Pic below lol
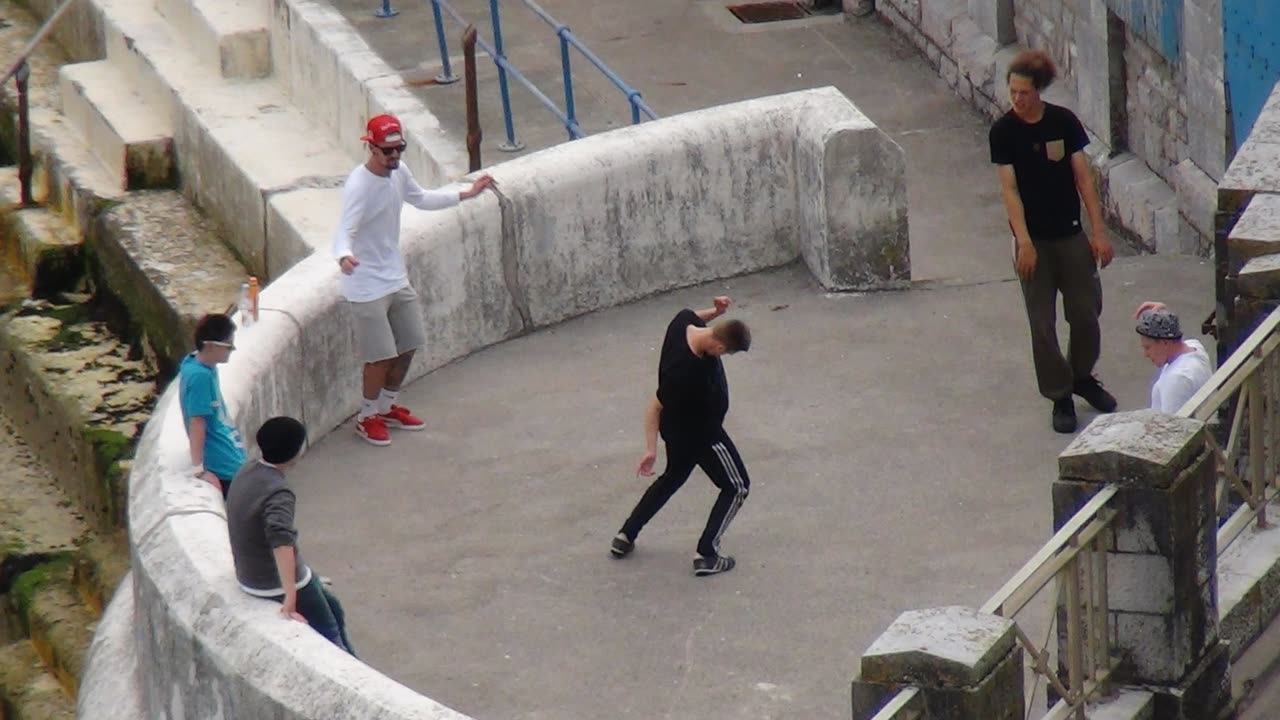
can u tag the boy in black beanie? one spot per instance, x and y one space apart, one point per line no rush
264 541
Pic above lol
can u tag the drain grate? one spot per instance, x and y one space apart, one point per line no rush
765 12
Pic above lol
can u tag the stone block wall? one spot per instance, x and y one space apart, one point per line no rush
1053 26
1155 127
1248 231
1158 124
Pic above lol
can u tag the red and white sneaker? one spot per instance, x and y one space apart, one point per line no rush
399 417
374 430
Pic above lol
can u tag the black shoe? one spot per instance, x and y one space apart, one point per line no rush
1064 415
1092 391
621 546
704 566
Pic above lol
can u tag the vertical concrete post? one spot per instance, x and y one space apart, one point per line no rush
995 19
1100 71
967 665
1162 555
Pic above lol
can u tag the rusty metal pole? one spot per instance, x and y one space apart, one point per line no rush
24 134
473 107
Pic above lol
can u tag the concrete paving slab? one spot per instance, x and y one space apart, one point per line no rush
899 454
683 55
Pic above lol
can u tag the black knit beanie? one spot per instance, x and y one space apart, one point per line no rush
281 439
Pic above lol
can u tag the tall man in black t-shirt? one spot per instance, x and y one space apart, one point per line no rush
1039 148
689 410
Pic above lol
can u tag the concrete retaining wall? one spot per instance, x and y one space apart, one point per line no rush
573 229
330 73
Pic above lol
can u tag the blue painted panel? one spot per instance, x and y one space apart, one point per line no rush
1251 33
1158 22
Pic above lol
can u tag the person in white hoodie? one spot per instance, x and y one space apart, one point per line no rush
1184 364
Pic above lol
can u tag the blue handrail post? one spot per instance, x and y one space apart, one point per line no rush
568 78
634 98
511 145
385 10
447 76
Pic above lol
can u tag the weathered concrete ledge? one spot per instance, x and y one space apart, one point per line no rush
1249 585
573 229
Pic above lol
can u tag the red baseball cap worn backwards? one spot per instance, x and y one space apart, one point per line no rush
383 129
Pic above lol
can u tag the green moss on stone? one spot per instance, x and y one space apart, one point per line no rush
69 336
111 450
28 585
109 446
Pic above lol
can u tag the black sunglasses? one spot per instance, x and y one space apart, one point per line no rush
398 149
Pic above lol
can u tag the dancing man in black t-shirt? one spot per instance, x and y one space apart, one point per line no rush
689 410
1039 148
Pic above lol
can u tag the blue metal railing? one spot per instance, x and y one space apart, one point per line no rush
567 116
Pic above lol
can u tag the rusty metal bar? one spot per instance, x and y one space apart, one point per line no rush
1102 619
25 163
1041 664
474 134
1257 446
1075 639
39 37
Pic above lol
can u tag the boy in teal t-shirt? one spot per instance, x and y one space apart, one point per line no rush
217 452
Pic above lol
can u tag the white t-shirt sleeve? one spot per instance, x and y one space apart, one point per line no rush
425 199
355 199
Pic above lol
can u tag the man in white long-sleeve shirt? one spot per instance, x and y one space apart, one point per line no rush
366 244
1184 364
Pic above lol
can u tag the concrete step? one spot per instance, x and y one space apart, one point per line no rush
126 131
1125 704
79 393
100 565
60 625
38 520
1255 233
38 242
174 266
27 692
239 142
231 36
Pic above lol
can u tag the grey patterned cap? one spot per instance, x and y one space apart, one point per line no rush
1159 324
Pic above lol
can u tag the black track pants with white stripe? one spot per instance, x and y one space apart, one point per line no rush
720 461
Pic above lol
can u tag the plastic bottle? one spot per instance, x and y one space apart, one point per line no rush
253 296
245 306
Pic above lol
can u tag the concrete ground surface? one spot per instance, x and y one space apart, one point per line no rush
899 458
685 55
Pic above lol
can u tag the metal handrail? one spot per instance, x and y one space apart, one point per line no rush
1248 384
20 70
896 708
567 38
36 39
567 116
1075 557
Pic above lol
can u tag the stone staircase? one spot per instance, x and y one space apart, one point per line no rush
55 578
108 271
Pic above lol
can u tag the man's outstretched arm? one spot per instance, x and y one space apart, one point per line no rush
722 303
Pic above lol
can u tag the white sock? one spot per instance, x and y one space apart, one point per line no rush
367 408
386 399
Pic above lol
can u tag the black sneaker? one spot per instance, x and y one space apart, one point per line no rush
1092 391
621 546
704 566
1064 415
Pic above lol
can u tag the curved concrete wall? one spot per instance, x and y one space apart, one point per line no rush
573 229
